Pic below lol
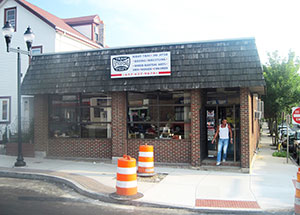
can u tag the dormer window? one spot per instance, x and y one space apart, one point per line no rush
96 33
35 50
10 14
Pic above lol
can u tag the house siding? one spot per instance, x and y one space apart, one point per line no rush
8 61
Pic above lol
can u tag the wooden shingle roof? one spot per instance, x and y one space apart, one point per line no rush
209 64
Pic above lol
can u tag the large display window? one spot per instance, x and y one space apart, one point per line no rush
80 116
159 115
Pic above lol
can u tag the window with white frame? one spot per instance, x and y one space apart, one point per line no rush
10 14
36 50
96 33
4 109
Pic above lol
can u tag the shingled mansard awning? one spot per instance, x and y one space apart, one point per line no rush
194 65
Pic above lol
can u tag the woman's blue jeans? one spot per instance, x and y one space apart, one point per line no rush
223 144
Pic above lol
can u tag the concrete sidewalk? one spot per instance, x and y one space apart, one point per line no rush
269 186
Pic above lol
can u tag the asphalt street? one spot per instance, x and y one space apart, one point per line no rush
22 196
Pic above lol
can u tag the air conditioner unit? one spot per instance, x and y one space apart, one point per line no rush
258 114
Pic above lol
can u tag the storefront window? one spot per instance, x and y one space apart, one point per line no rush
159 115
85 116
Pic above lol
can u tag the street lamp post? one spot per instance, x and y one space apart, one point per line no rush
28 37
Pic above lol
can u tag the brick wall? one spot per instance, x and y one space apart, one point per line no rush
27 149
64 147
255 129
245 126
40 123
195 127
84 148
167 151
119 127
250 131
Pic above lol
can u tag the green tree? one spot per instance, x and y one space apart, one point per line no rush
283 87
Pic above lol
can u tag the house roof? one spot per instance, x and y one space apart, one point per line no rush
194 65
83 20
55 22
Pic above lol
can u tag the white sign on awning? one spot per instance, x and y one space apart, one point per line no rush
141 65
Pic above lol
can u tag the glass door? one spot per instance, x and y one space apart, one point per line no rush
214 116
211 119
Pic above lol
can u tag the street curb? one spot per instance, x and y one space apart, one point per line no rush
55 179
105 197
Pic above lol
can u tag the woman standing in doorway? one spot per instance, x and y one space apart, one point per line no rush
223 131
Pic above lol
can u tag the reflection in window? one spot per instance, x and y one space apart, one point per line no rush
95 130
164 115
35 50
96 33
86 116
4 110
10 16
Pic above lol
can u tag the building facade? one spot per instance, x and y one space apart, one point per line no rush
105 103
52 34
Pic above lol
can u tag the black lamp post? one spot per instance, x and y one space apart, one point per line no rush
28 37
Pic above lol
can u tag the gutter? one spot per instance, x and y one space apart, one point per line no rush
77 37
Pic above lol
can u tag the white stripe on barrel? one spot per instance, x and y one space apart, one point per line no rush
146 164
126 184
146 154
126 171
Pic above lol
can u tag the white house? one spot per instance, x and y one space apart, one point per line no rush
52 34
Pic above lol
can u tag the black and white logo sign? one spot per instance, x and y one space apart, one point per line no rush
121 63
140 65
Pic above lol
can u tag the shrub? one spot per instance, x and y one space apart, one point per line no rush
279 154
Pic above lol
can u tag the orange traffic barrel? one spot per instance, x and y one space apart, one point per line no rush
146 161
126 180
297 196
126 176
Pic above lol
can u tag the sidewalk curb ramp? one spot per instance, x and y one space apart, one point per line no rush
105 197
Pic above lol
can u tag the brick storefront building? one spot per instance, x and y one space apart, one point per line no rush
83 109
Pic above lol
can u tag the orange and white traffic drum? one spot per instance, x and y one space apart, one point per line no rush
146 161
126 176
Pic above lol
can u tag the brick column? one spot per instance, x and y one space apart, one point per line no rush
41 125
119 127
195 127
245 127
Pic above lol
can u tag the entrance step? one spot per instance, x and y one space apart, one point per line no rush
210 164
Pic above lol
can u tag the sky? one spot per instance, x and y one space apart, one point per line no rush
274 23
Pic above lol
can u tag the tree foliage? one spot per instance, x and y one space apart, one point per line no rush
283 85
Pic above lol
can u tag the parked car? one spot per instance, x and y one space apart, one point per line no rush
297 139
292 146
296 152
284 132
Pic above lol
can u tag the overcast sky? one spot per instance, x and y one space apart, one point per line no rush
274 23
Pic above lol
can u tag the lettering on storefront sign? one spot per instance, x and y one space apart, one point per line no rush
141 65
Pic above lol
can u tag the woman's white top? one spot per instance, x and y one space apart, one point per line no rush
224 132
